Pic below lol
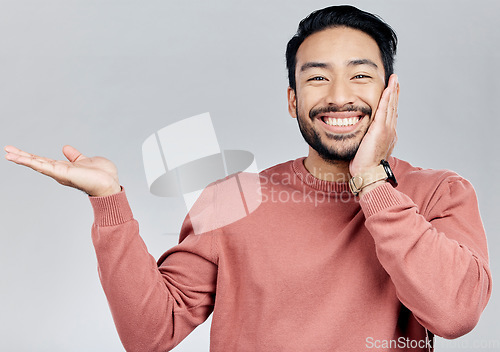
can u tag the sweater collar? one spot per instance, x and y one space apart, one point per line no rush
321 185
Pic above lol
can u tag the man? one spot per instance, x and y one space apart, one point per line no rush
350 248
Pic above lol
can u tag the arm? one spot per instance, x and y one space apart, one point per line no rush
437 262
153 308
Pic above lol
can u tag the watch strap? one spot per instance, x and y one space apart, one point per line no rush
358 182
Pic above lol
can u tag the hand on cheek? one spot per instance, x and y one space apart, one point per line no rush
381 136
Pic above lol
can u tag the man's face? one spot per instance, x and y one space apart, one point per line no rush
339 81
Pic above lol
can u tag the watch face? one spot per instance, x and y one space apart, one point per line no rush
389 172
390 175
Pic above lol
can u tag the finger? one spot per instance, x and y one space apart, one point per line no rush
54 169
385 102
397 105
391 110
381 112
37 164
15 151
72 154
394 104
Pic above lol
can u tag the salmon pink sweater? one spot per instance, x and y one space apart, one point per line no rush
311 268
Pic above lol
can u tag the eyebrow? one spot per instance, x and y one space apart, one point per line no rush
355 62
313 64
358 62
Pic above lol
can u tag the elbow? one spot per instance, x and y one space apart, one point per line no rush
135 348
147 337
140 345
454 330
456 323
461 316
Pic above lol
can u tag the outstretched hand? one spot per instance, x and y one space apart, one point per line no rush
96 176
381 137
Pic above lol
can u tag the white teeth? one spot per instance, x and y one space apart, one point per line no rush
341 122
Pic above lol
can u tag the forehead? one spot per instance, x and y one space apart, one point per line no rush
337 46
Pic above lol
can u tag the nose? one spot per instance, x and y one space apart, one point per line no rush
339 93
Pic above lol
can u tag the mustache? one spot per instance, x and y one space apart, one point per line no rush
366 110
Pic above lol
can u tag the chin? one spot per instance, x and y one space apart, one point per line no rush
330 154
331 147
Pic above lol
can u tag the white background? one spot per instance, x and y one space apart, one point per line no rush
104 75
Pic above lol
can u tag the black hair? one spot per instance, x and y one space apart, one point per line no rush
344 16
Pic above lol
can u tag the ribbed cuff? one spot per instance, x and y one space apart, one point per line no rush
379 198
111 210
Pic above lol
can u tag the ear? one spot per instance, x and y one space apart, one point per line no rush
292 102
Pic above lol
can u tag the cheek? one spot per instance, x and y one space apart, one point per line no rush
310 97
371 97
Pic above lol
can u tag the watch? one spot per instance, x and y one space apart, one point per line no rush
380 173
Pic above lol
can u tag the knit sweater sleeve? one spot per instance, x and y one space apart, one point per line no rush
154 306
437 258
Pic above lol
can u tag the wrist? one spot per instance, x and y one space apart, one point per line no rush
363 170
109 192
371 178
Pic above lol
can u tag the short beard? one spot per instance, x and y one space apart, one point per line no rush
329 154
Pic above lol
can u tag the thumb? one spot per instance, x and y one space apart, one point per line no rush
72 154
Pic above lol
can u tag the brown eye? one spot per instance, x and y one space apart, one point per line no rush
317 78
361 76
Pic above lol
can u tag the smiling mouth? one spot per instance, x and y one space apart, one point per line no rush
342 122
341 118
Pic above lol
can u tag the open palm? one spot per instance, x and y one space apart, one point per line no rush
96 176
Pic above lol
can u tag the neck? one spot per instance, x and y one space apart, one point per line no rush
333 171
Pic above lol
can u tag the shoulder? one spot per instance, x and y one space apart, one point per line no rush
426 187
411 176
